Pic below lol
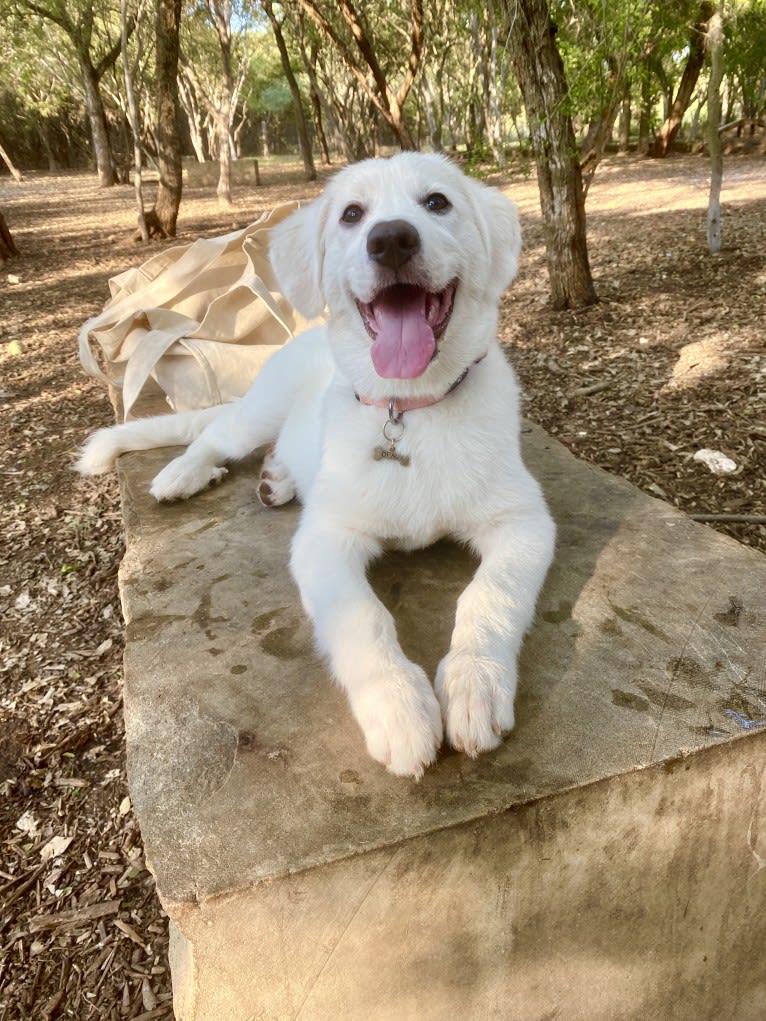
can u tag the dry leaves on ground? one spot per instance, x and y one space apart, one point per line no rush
672 360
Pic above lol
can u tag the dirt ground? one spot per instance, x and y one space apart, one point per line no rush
671 361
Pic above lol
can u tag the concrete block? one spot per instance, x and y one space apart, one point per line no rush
608 862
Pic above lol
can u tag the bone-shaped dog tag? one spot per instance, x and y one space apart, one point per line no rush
390 454
392 432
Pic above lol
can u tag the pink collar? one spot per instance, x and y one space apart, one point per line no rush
398 405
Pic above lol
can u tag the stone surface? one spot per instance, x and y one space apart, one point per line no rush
606 862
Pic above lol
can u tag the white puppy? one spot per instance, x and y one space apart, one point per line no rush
397 423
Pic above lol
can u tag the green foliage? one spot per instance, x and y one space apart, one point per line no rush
745 53
36 66
268 91
627 42
464 97
39 85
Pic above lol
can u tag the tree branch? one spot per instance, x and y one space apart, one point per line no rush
416 52
110 58
380 102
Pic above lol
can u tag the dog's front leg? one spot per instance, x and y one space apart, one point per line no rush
476 680
391 698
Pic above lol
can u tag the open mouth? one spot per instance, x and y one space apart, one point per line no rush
406 323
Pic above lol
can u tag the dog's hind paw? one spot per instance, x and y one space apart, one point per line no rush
183 478
275 486
476 696
401 721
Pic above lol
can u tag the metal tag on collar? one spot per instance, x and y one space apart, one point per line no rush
392 433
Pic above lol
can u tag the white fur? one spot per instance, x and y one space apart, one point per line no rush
465 478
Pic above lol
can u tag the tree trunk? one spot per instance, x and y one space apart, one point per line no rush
540 73
133 117
715 47
77 23
14 172
316 109
99 129
624 123
433 119
223 191
492 88
600 131
295 92
644 117
320 107
170 189
8 247
188 100
221 13
661 145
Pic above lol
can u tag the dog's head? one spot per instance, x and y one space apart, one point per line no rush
410 258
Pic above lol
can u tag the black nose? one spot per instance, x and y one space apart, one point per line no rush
392 243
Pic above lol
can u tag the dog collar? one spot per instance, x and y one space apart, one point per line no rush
394 427
397 406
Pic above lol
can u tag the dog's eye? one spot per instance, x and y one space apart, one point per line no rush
352 213
437 203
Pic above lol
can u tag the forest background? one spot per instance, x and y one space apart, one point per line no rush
143 83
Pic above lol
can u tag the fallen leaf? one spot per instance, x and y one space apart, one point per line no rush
27 824
55 847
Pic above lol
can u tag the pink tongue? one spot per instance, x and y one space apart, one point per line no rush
405 343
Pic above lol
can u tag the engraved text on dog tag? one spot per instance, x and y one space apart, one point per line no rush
390 454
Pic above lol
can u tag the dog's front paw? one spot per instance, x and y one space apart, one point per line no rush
401 721
184 477
476 696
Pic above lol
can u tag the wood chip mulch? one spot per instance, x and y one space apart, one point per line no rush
669 363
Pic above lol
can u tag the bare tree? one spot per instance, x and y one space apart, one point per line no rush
715 48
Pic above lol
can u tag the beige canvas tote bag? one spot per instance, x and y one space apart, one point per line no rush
200 319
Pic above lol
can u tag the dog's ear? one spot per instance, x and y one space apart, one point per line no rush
296 251
502 234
